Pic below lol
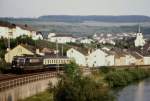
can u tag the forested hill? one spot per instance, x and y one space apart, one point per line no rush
67 18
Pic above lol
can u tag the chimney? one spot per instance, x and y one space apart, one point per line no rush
89 51
8 49
37 51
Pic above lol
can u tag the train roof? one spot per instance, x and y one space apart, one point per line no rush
56 57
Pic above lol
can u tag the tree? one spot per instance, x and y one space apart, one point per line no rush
72 70
74 87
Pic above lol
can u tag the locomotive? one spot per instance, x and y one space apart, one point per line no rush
38 62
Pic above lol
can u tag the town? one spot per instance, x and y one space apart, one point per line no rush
38 66
95 51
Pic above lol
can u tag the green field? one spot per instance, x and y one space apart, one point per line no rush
43 96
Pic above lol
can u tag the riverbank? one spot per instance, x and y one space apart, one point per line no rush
121 78
110 78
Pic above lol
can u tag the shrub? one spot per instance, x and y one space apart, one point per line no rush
81 89
124 77
74 87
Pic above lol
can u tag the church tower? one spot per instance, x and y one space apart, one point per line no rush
139 41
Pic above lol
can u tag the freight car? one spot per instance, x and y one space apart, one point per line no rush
34 63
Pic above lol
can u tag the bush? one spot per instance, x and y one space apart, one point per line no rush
81 89
74 87
124 77
106 69
3 67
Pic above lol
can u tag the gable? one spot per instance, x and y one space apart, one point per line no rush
98 52
19 49
74 51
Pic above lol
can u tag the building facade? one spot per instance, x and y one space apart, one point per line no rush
17 51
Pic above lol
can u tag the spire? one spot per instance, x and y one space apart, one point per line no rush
139 29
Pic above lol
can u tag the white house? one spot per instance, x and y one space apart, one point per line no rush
100 58
13 31
52 37
96 58
86 41
77 56
130 59
110 60
146 60
37 37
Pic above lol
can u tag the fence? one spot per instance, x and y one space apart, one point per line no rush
24 80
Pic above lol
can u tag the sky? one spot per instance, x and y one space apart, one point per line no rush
35 8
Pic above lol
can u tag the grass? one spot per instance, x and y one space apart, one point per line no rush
43 96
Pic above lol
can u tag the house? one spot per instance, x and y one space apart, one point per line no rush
100 58
138 58
92 58
110 59
106 48
96 58
18 51
77 56
86 41
119 58
12 31
37 36
146 60
130 58
47 51
21 50
61 38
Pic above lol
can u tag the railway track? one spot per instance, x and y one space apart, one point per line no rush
20 74
18 80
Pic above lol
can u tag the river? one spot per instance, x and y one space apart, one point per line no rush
135 92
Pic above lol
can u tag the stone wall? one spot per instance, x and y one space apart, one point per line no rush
21 92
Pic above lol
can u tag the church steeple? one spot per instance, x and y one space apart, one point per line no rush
139 29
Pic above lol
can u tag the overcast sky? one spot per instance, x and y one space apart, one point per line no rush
35 8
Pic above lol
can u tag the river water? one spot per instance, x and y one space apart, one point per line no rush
135 92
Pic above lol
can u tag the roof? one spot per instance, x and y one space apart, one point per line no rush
25 27
30 48
55 56
7 24
136 55
118 53
81 50
47 50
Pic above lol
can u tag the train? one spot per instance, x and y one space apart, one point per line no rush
38 62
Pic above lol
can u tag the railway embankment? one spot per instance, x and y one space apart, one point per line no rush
21 87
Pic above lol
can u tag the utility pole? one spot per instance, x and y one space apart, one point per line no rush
57 55
8 47
62 50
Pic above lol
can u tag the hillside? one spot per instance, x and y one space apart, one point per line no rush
66 18
85 25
